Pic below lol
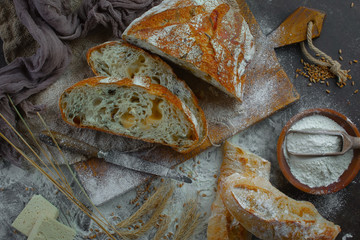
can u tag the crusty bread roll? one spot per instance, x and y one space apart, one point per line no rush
241 161
269 214
134 108
122 60
209 38
222 225
262 209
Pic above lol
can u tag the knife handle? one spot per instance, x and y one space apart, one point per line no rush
68 143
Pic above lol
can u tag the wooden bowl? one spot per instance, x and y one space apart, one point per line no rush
346 177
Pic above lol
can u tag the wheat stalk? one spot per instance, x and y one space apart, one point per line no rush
58 172
158 203
155 203
162 228
189 221
150 204
63 186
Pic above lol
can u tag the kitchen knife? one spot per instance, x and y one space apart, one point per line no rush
113 156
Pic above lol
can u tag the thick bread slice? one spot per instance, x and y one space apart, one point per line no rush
122 60
209 38
133 108
262 209
222 225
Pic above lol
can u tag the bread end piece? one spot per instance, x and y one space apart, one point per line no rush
222 225
209 38
269 214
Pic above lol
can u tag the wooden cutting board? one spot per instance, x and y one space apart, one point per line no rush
267 90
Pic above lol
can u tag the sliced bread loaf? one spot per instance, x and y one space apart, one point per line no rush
122 60
209 38
133 108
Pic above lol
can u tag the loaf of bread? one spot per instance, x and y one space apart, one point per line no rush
241 161
209 38
134 108
222 225
269 214
122 60
262 209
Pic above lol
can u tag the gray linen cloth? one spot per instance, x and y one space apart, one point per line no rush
51 23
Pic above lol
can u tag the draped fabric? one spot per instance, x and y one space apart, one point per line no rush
51 23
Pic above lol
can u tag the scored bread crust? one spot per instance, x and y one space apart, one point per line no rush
261 208
209 38
269 214
122 60
238 160
142 87
222 225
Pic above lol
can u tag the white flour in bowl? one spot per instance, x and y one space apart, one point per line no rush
317 171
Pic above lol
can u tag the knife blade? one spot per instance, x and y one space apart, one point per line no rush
113 156
137 164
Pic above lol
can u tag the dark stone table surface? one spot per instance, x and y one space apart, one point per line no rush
340 31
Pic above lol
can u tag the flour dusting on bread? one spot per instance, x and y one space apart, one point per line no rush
262 209
209 38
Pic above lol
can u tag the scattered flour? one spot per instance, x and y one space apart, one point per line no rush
330 205
317 171
347 236
259 139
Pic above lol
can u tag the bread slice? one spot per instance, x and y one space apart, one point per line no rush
122 60
134 108
222 225
209 38
261 208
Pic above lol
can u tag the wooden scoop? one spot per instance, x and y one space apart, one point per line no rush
346 143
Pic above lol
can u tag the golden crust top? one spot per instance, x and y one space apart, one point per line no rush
212 36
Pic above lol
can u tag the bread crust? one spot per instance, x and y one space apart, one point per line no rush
262 209
209 38
222 225
197 112
144 83
287 218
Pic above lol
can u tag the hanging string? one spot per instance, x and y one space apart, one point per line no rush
334 66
